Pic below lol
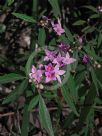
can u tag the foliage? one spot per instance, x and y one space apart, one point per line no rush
80 96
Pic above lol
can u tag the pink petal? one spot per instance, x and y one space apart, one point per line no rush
33 69
47 80
71 60
61 72
55 61
56 68
59 79
67 55
59 22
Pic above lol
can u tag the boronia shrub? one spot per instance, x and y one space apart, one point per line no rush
59 75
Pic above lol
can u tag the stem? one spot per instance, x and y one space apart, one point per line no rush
35 9
34 26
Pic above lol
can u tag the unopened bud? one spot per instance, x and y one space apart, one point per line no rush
99 66
41 86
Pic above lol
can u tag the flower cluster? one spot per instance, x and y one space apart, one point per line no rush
54 61
56 27
53 67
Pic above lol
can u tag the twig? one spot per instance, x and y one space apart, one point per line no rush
35 110
49 109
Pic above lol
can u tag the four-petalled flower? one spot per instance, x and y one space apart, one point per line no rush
49 55
58 73
35 74
49 73
68 60
57 27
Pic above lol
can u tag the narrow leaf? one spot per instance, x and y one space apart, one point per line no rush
24 17
94 79
10 77
16 93
68 99
45 117
72 87
25 123
10 2
99 39
79 22
41 37
69 34
55 7
33 102
94 16
91 8
87 105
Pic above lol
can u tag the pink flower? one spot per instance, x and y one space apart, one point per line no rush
58 28
58 60
68 60
85 59
80 39
58 73
64 47
49 55
38 76
49 67
50 76
35 74
49 73
53 73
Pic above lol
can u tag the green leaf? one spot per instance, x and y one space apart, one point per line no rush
16 93
24 17
69 120
72 87
79 22
41 37
74 135
33 102
45 117
88 29
80 77
99 40
55 7
91 8
69 34
91 52
88 105
29 62
11 97
2 28
99 73
10 2
94 16
49 95
25 123
52 42
75 64
65 39
10 77
68 99
94 79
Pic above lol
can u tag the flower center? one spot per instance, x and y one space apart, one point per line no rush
49 68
